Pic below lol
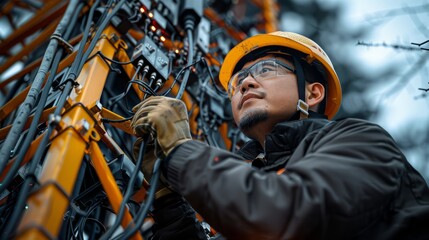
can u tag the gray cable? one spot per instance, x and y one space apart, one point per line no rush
25 109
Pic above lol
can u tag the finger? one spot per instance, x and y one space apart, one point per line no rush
142 112
146 102
137 107
144 129
177 112
140 121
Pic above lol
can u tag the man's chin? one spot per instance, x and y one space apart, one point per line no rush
251 119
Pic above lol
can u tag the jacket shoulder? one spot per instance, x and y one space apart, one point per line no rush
357 126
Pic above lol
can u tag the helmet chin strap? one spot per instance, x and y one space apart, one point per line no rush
302 106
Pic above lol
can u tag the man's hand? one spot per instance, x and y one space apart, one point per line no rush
165 119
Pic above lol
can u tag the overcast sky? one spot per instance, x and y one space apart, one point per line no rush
396 22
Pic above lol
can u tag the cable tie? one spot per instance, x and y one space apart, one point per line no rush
67 46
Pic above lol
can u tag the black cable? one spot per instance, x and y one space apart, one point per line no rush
80 51
141 84
65 93
143 211
145 71
135 15
112 60
176 79
81 223
220 91
148 90
98 222
28 104
16 215
106 7
70 228
116 134
139 66
146 86
34 163
36 159
97 36
106 120
207 130
40 106
128 193
189 26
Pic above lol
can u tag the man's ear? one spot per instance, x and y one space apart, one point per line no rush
314 94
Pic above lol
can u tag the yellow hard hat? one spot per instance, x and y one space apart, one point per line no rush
311 50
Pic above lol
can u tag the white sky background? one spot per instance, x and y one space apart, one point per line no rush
405 106
402 106
404 109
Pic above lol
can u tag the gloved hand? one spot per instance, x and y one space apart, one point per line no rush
165 119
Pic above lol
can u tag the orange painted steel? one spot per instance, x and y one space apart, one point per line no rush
47 205
44 117
14 103
42 37
213 16
93 76
50 11
124 126
81 130
30 67
109 184
28 155
270 11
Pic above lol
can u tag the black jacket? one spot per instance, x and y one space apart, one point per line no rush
343 180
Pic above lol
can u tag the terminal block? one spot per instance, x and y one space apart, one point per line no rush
152 55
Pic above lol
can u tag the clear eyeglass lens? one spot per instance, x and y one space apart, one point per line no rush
260 70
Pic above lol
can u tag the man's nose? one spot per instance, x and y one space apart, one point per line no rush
248 82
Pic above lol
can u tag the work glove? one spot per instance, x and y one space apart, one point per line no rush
164 123
165 120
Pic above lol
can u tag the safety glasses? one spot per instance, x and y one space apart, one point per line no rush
259 71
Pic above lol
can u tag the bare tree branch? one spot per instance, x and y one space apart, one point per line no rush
395 46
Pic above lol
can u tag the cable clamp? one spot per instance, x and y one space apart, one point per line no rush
67 46
54 119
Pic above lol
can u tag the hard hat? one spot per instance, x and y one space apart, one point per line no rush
296 42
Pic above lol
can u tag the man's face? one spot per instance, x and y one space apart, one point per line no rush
263 102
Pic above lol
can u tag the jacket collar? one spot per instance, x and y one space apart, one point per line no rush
283 139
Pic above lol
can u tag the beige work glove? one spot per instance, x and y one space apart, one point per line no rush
164 119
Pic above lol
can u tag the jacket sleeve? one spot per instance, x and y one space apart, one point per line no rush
338 182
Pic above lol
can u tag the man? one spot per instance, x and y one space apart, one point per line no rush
311 178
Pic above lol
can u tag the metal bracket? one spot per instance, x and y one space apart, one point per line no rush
302 107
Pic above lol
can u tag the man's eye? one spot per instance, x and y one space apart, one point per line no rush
265 70
240 78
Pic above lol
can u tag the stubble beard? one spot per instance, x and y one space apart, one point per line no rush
252 119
